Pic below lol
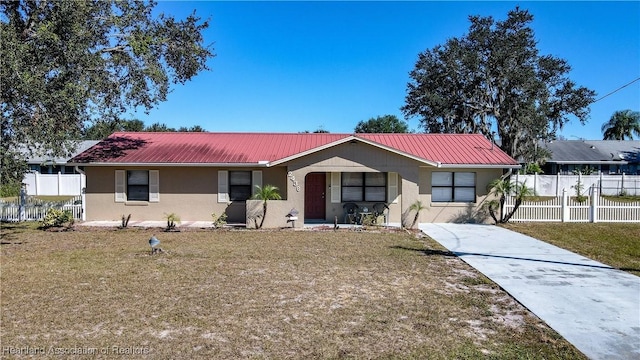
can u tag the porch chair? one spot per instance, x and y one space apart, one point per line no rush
379 210
350 213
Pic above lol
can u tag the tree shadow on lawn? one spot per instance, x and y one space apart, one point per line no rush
9 231
428 252
432 252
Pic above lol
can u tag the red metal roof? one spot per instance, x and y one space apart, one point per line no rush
462 149
265 148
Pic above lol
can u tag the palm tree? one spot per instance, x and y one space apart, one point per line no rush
503 188
266 192
417 207
623 124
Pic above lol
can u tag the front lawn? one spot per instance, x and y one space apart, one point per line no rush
257 294
614 244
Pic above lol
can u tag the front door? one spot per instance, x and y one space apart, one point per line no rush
314 196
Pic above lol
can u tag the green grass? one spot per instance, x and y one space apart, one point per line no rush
623 198
259 294
614 244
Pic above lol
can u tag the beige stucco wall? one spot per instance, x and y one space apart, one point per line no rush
455 212
189 192
357 157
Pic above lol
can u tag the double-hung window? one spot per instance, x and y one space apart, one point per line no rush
138 185
367 186
239 185
453 186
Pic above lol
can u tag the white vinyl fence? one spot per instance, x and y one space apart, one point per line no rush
35 209
568 208
552 185
54 184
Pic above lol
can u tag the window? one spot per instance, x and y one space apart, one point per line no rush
138 185
364 187
453 187
239 185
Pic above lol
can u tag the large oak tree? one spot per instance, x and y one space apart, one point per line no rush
64 64
495 79
382 124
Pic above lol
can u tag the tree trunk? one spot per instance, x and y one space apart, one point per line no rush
264 214
510 214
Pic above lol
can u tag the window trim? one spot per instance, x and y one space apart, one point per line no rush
141 186
453 187
122 187
236 186
364 186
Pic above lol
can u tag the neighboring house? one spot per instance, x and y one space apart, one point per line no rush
193 175
46 164
605 156
50 175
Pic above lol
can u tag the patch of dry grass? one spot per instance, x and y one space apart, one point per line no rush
258 294
614 244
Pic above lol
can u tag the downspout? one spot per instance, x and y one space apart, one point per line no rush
507 174
82 192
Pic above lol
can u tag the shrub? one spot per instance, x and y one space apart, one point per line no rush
219 221
10 190
125 221
172 220
57 218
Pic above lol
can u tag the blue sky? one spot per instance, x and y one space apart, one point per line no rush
296 66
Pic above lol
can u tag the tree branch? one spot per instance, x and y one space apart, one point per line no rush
118 48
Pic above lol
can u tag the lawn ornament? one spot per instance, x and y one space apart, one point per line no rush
153 242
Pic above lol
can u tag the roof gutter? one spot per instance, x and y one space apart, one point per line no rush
572 162
478 166
103 164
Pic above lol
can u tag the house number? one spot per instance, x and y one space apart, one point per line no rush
293 181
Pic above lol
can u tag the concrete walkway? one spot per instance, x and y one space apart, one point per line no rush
594 307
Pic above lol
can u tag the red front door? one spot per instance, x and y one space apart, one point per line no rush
314 196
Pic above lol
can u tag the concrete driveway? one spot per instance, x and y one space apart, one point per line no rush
593 306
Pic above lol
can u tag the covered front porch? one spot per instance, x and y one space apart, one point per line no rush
350 198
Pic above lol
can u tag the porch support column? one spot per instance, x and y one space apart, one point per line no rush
410 194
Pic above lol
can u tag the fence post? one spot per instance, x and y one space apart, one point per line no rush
558 184
622 185
22 204
83 196
565 207
594 204
600 183
37 184
59 182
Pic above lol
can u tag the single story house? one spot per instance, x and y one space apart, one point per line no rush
194 175
602 156
48 164
51 175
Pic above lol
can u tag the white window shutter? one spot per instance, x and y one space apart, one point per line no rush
256 180
223 186
121 186
154 186
335 187
393 188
